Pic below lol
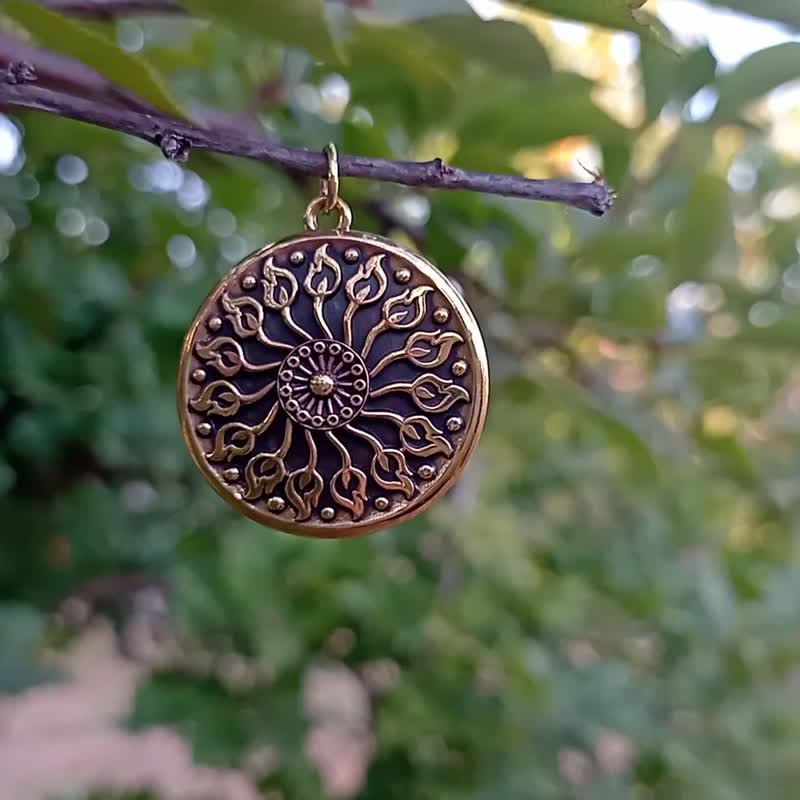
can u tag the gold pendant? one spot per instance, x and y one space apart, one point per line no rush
332 383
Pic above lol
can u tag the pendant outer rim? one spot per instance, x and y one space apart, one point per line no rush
471 435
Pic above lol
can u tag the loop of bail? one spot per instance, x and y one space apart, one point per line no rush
319 206
329 186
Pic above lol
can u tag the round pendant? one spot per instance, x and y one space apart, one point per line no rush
332 384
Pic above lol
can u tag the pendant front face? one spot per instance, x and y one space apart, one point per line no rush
332 384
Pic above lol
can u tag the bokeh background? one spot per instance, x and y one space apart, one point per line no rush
606 606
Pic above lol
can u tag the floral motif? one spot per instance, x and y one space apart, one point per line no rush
323 384
430 392
227 357
280 286
355 341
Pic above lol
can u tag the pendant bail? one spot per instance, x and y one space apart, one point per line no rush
329 200
329 186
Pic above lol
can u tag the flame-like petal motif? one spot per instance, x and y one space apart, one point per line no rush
233 439
420 437
263 473
407 309
280 286
368 283
433 394
223 353
303 488
431 348
324 274
390 470
227 357
218 397
349 489
245 313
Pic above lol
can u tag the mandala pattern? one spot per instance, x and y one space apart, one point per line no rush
332 384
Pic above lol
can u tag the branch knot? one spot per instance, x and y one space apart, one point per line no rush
175 147
20 72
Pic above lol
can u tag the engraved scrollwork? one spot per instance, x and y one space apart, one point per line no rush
280 286
401 312
225 399
349 484
367 286
304 486
423 349
227 357
322 281
266 470
430 392
331 384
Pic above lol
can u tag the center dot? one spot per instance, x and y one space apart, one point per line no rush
322 385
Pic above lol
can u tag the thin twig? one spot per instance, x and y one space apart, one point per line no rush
108 9
177 138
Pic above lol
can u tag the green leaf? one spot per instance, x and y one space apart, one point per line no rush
608 420
787 11
299 23
505 117
622 14
389 11
504 45
668 77
614 250
637 302
65 35
703 223
754 77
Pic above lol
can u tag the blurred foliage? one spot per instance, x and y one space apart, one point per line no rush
605 606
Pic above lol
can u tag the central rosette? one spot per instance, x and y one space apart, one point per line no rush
323 384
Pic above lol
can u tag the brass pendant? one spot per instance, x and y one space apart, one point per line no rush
333 383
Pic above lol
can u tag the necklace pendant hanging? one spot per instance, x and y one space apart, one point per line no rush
332 383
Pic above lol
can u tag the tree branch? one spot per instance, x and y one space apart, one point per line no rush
177 138
108 9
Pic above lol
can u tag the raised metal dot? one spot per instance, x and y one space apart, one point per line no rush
360 385
347 413
303 415
459 368
402 275
238 496
204 429
292 406
286 375
248 282
441 315
215 323
286 391
276 504
335 348
327 513
297 257
317 421
292 361
231 474
347 357
319 347
426 472
198 375
351 255
455 424
357 369
332 419
356 400
305 351
381 503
